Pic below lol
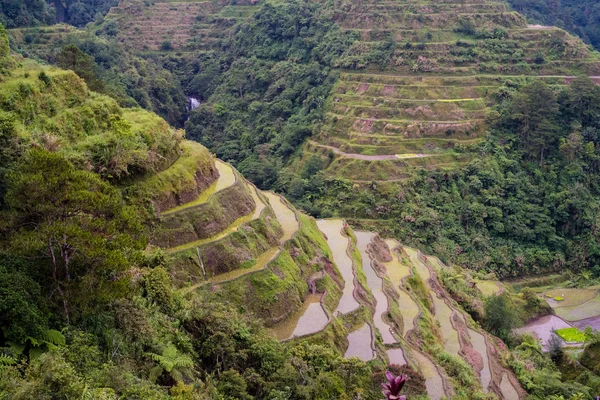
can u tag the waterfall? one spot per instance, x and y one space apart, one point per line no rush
193 103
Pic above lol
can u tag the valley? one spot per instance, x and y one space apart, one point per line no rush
360 187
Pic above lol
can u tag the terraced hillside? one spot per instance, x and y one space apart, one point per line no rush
316 280
181 25
425 104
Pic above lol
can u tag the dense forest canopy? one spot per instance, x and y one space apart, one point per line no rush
526 204
580 17
19 13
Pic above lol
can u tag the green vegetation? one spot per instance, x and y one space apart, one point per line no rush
16 13
571 334
106 66
520 206
578 17
87 308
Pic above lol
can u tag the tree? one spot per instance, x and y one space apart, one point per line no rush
75 226
500 316
71 57
535 109
555 348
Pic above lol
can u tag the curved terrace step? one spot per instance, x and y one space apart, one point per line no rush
375 284
227 178
259 207
311 318
290 225
340 246
360 343
369 157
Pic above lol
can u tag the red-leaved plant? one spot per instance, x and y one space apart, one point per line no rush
392 388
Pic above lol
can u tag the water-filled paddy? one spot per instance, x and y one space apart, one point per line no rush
285 215
409 309
374 283
309 319
395 270
571 297
443 313
360 344
593 322
396 356
338 243
508 390
589 309
478 343
543 327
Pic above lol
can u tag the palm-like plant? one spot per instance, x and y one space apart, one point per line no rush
391 388
171 361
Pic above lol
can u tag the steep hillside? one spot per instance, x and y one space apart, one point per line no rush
179 25
112 222
424 104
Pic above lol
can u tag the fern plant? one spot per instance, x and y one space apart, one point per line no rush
172 362
6 361
35 347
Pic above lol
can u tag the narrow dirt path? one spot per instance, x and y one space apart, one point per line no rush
369 158
284 215
259 207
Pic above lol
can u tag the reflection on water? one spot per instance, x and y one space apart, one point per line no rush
309 319
396 356
285 215
478 342
543 327
443 313
395 270
338 243
359 344
376 285
508 390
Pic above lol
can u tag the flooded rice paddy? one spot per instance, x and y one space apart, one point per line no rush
443 313
543 327
375 284
339 244
360 344
309 319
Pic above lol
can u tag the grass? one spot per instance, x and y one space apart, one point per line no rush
571 335
570 297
